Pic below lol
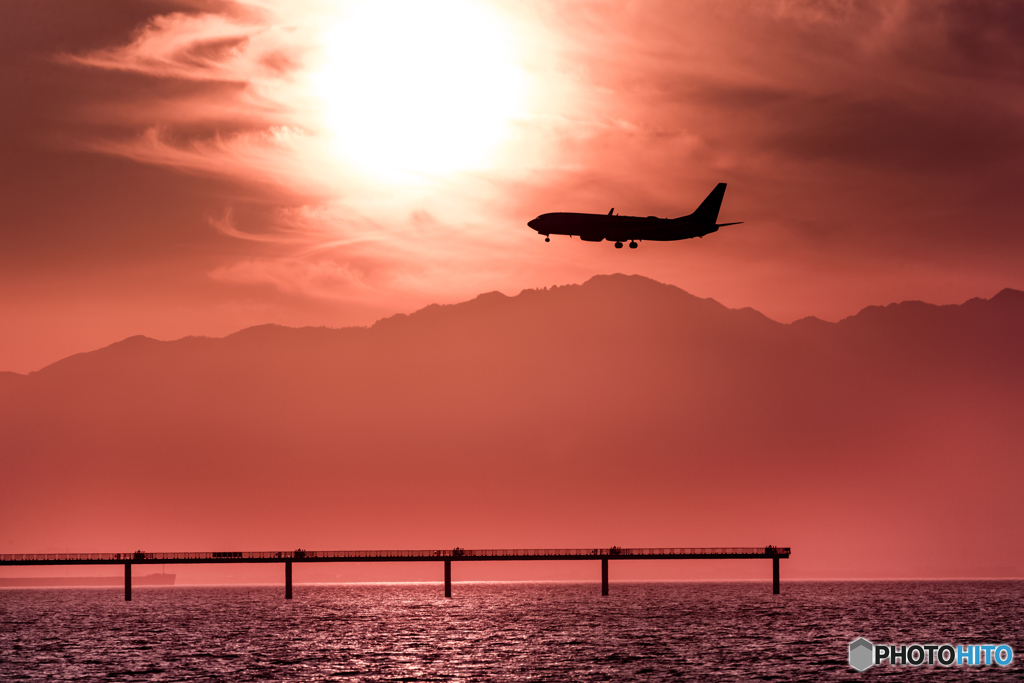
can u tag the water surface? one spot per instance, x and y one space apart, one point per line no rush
499 631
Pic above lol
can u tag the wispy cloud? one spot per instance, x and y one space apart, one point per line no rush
839 120
318 279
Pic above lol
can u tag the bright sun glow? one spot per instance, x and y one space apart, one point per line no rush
418 87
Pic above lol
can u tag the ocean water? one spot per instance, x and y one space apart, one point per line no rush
500 631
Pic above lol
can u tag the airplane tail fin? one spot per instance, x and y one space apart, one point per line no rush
707 212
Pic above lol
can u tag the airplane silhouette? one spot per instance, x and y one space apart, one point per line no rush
594 227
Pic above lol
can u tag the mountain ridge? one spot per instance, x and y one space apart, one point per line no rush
1007 299
617 412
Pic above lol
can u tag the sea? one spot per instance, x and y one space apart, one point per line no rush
502 631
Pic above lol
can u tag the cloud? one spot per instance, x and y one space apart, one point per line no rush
861 133
181 45
243 116
317 279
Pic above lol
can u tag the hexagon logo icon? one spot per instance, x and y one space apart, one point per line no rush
862 654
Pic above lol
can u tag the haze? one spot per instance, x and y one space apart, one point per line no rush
193 168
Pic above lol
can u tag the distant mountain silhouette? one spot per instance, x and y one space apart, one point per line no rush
620 410
9 378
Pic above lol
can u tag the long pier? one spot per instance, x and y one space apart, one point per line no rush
447 556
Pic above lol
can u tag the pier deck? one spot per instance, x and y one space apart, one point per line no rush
288 557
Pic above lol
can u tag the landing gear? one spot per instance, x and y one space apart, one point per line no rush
618 245
632 245
547 239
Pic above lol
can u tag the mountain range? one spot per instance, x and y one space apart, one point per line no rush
621 411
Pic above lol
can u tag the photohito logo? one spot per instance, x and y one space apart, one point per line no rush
865 654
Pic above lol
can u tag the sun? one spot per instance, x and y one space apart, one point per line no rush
416 87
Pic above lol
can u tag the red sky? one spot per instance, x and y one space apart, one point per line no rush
193 167
173 168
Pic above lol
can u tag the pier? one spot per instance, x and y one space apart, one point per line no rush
287 558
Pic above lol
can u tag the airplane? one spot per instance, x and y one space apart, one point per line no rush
594 227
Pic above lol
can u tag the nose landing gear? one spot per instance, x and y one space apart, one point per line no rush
618 245
547 239
632 245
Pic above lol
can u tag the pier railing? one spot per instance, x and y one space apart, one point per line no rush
453 553
447 556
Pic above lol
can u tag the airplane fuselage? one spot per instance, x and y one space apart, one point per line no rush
593 227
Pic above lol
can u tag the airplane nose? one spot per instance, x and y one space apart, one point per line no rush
533 224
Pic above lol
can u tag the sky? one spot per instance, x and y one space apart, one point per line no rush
196 167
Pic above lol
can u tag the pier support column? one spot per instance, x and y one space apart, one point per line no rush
604 576
447 578
127 580
288 580
775 576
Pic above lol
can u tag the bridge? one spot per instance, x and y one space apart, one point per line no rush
447 556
